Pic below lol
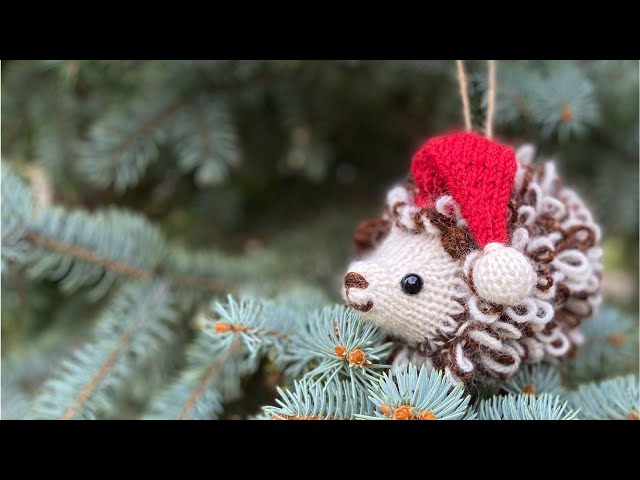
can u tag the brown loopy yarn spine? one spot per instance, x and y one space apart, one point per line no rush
369 233
456 241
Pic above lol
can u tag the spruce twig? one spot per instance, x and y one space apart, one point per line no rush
122 268
206 376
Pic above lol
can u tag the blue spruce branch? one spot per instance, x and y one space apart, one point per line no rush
525 407
614 399
411 394
310 400
132 329
535 379
78 248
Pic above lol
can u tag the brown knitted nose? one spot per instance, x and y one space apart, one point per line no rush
353 279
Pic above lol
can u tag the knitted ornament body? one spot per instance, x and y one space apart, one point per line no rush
482 262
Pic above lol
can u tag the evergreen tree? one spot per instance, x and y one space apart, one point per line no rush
174 234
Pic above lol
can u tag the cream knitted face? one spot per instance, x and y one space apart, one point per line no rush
375 287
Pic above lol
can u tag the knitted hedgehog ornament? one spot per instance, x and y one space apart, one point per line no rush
482 262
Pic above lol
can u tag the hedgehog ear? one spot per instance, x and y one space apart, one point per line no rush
369 234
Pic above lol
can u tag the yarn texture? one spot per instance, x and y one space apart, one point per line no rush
408 316
476 172
508 256
503 275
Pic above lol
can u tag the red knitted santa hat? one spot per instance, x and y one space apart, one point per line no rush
478 173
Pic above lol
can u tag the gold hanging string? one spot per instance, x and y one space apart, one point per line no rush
491 98
464 94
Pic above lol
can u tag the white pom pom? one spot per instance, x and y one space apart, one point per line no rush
502 275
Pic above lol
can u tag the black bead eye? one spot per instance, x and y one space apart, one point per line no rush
411 284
